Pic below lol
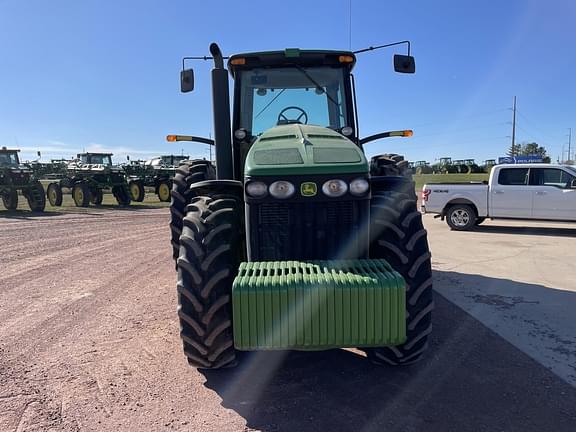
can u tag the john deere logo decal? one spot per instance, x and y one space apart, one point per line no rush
308 189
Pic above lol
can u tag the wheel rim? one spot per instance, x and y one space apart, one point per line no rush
52 196
134 191
460 217
78 195
164 192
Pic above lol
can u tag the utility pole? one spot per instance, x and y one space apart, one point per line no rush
514 128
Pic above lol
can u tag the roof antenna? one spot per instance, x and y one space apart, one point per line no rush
350 25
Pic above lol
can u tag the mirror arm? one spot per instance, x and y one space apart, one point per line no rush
384 46
177 138
406 133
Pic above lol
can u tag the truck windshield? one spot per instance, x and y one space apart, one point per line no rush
8 159
306 95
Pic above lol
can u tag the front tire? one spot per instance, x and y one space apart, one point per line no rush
10 199
54 194
122 195
137 192
164 191
210 254
36 197
186 174
96 197
461 217
81 195
398 236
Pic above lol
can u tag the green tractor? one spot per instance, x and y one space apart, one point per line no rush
445 166
14 177
87 177
488 164
295 244
157 173
421 167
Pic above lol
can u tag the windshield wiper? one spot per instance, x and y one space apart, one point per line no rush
318 86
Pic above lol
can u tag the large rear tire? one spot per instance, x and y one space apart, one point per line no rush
36 197
10 199
186 174
390 164
210 254
398 236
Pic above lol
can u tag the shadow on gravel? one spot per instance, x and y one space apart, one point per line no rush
542 231
27 214
471 380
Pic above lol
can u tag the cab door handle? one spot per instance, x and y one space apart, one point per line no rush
541 192
499 191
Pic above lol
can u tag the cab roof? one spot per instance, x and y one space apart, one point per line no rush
7 150
94 154
291 56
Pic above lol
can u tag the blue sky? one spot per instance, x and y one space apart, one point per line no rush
105 75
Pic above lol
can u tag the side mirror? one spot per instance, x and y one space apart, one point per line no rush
187 80
128 157
404 64
39 154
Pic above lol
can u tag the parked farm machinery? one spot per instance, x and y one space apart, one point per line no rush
87 177
15 177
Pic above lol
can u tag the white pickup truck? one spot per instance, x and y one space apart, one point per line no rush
522 191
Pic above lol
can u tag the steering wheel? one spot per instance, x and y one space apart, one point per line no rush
282 119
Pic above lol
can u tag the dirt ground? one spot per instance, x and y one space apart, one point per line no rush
89 342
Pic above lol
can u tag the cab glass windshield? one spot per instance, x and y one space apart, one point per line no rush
8 159
96 159
305 95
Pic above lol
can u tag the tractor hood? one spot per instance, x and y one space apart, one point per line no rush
302 149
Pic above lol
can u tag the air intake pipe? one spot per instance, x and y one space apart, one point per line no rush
221 108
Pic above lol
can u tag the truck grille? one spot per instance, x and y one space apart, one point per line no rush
306 231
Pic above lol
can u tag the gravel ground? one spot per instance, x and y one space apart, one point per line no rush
89 341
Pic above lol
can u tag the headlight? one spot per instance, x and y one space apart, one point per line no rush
359 186
256 189
334 188
282 189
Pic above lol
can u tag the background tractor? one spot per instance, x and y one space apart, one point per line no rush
15 177
157 173
421 167
445 166
296 244
87 177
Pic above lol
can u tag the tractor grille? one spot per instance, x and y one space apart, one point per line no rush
307 231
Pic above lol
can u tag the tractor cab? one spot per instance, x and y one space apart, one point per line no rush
9 158
104 159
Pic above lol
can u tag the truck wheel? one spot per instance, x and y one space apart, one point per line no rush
10 199
163 191
54 194
461 217
36 197
186 174
81 195
96 196
122 195
137 192
210 253
398 236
